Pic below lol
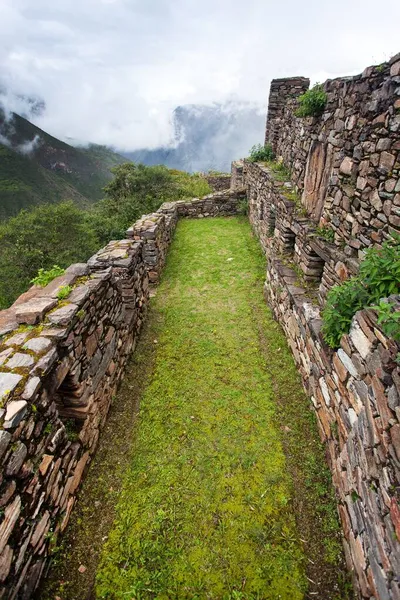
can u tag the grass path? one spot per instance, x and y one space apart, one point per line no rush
207 507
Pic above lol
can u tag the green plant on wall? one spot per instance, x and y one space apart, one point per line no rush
388 319
64 292
243 206
45 276
326 233
312 102
260 153
379 277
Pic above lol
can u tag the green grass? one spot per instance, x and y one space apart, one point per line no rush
206 509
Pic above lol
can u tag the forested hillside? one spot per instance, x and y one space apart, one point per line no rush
62 233
37 168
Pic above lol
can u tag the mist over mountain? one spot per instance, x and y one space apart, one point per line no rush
207 137
37 168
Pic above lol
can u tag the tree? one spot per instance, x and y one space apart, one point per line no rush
136 190
39 238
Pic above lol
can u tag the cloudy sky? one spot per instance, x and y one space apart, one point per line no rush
112 71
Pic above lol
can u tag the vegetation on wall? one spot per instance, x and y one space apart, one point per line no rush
137 190
325 232
312 102
36 240
45 276
260 153
378 278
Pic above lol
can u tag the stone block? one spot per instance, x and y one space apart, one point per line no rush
64 315
11 515
37 345
33 311
8 383
20 360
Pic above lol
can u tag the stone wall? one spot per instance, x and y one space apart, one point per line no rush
345 163
355 391
237 181
60 365
218 183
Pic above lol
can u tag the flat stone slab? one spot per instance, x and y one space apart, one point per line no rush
46 362
62 316
5 354
31 388
53 288
33 311
5 439
37 345
54 332
15 413
17 339
8 382
20 360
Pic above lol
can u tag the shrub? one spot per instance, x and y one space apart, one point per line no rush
379 277
326 233
45 276
281 172
261 153
136 190
388 319
64 292
312 102
380 270
243 206
342 303
45 236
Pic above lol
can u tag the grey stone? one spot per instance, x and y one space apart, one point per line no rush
33 311
325 391
5 562
346 360
15 412
20 360
11 515
78 269
376 200
17 339
8 382
360 340
79 294
393 397
380 580
53 332
63 316
5 354
16 460
31 388
46 362
37 345
346 166
5 438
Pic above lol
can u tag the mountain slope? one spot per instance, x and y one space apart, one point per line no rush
207 137
36 167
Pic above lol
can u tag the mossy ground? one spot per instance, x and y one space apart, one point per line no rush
208 507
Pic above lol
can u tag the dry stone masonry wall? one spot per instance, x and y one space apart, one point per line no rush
346 162
218 183
60 365
345 175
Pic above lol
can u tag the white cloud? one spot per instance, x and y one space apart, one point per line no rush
112 71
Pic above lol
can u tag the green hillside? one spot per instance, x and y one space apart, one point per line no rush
53 171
